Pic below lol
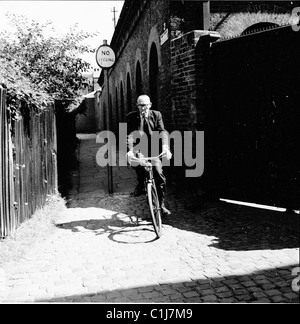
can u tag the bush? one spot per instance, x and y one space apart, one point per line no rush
37 68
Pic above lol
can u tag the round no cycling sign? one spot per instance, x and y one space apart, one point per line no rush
105 57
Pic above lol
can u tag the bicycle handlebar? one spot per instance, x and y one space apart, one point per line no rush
145 159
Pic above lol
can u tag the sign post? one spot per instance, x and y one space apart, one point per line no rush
105 58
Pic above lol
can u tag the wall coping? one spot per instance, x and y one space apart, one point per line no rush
194 36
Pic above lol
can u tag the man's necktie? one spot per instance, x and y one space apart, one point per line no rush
142 124
146 126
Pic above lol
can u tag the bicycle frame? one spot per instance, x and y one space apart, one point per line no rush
151 191
146 163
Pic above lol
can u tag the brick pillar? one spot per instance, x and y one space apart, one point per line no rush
189 84
189 67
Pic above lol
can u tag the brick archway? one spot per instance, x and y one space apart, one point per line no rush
237 23
154 63
154 38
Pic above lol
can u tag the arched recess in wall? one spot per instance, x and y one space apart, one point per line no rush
138 79
122 103
128 93
153 76
236 24
154 63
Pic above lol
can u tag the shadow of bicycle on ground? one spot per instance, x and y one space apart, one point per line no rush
119 227
234 227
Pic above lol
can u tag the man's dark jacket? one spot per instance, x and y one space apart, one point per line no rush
155 123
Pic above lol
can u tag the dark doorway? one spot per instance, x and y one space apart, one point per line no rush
138 79
122 102
129 95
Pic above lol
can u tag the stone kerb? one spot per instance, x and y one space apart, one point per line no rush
192 37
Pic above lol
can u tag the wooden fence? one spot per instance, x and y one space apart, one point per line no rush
28 163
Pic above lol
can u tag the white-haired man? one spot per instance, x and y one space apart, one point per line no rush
146 122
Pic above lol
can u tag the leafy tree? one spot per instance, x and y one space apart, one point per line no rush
38 68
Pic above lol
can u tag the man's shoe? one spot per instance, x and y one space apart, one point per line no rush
165 211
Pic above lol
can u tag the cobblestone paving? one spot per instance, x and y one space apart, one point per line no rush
104 250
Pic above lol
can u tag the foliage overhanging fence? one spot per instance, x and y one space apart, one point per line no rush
28 163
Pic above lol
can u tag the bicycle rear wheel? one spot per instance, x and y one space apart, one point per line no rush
154 208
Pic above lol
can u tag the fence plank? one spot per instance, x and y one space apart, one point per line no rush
2 219
11 197
29 173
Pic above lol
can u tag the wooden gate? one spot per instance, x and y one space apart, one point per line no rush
252 138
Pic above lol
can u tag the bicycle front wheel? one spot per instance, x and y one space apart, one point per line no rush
154 208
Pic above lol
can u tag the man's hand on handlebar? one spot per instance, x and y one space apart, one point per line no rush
129 156
166 152
136 158
139 158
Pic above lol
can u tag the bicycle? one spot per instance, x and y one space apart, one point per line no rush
151 191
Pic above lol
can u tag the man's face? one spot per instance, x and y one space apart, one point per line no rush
143 104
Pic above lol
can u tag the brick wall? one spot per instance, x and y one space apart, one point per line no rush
231 18
184 76
137 48
143 29
189 89
181 62
189 68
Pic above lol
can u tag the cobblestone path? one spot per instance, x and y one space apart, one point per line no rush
104 250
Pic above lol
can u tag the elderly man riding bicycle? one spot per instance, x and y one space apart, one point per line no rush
142 124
